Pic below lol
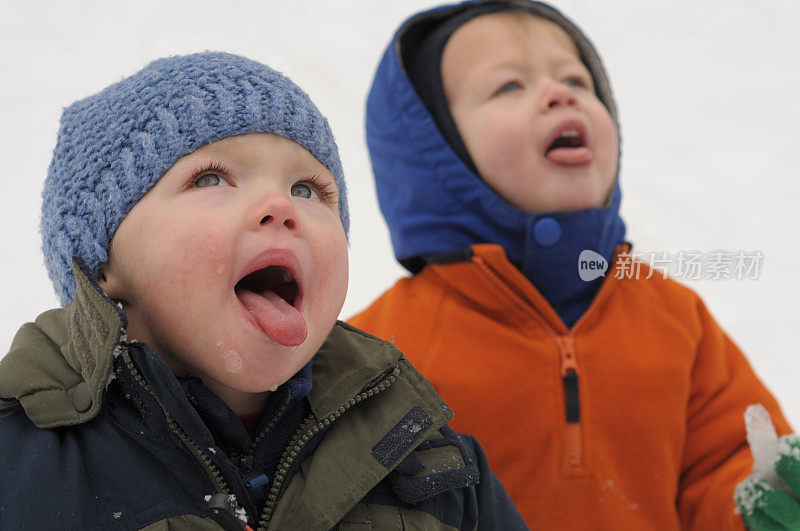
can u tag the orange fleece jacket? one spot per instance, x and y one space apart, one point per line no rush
660 440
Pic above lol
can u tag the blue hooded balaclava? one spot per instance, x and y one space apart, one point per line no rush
430 194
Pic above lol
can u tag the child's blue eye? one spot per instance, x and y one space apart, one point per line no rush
509 87
209 175
574 82
303 190
206 180
316 187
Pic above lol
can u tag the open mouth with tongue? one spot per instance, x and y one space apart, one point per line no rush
567 145
272 297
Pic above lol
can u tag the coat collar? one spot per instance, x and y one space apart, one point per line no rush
485 272
376 426
59 365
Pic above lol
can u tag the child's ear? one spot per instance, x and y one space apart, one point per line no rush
110 282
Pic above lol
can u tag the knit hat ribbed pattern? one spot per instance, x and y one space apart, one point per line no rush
112 147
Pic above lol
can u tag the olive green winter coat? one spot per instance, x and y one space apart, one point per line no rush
96 432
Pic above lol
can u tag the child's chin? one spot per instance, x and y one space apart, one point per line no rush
581 201
256 386
260 379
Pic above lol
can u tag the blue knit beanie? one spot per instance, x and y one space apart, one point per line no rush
114 146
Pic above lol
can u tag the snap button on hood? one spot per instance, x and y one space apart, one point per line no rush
547 232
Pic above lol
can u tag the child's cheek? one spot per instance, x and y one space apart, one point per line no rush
334 285
605 145
195 257
506 146
501 134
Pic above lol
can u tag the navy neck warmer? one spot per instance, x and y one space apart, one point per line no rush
256 459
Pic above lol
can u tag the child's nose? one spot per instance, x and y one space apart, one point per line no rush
276 210
558 95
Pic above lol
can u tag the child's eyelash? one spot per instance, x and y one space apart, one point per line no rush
210 167
325 189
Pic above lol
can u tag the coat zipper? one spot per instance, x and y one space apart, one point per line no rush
569 375
211 470
304 434
307 431
568 370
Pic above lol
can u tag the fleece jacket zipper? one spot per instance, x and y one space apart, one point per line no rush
569 376
568 366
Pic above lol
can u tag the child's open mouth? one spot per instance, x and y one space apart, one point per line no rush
271 295
567 145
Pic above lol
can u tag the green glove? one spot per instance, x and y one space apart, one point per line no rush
765 506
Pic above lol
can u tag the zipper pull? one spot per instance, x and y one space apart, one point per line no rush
257 485
571 394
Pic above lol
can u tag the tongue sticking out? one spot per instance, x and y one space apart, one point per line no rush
570 156
280 320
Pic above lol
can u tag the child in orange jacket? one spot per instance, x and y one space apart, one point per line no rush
609 402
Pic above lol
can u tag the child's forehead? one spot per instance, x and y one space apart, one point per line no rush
253 149
520 30
256 143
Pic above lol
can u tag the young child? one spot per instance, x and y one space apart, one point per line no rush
602 404
194 226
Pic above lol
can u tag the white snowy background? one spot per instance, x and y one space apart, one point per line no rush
708 92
